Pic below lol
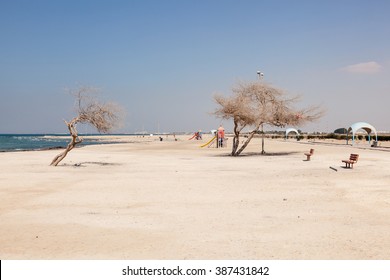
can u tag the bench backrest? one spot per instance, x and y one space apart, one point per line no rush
354 157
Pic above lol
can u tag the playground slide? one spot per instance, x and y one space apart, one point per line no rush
204 145
193 136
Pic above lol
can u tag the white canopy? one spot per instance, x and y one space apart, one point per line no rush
288 130
362 126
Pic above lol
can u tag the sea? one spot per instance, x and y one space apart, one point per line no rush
31 142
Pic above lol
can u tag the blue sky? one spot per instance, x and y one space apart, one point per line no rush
164 60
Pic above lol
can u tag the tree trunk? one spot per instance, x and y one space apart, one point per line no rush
236 139
74 141
262 140
235 144
246 142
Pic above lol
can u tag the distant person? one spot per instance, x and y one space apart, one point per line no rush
199 137
221 135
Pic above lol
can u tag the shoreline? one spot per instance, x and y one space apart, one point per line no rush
87 141
103 139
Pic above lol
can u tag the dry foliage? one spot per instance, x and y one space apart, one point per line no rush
103 116
255 104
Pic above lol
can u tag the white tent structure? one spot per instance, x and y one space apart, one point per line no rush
288 130
362 126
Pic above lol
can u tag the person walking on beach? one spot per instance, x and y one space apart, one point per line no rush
221 135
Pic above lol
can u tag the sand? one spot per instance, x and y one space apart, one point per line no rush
173 200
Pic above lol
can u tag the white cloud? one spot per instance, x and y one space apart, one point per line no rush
365 67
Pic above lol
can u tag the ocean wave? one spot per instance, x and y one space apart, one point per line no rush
42 142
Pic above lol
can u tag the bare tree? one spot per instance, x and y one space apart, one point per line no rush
254 104
102 116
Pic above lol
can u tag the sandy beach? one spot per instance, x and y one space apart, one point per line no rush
174 200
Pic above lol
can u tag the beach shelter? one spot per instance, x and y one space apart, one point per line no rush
362 126
288 130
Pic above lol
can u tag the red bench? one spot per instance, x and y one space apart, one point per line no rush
352 159
309 154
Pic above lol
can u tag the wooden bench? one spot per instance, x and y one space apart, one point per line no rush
309 154
353 158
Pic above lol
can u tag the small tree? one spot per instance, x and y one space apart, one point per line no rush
102 116
255 104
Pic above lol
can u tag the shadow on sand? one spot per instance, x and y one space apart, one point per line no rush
259 154
85 163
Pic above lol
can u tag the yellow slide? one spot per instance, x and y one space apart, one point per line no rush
204 145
